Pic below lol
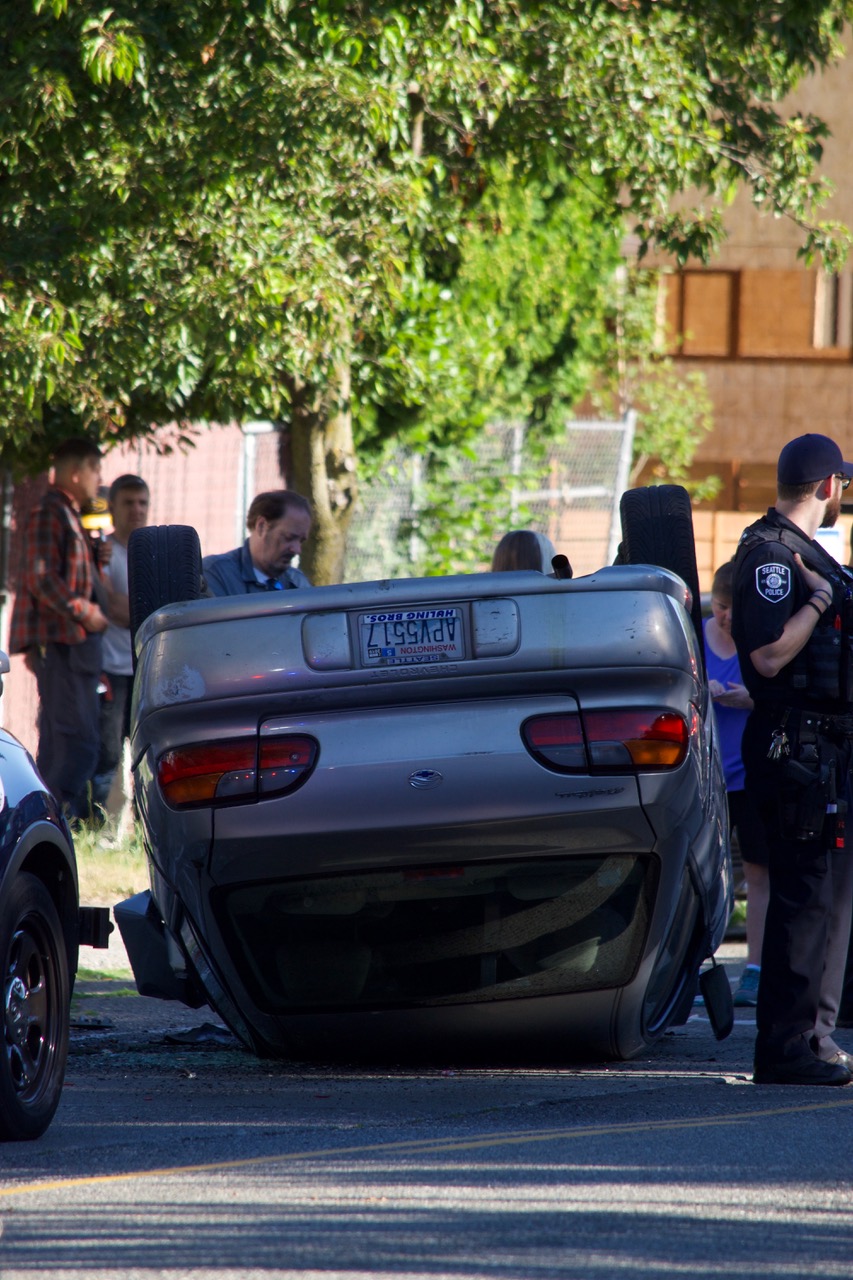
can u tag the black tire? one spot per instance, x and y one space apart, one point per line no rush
163 567
36 999
657 528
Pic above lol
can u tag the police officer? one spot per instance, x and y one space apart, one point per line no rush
792 622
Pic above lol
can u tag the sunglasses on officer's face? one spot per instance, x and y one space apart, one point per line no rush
845 480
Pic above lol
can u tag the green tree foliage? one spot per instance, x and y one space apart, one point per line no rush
513 333
515 337
552 330
673 409
223 207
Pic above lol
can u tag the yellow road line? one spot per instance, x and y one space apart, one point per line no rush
432 1146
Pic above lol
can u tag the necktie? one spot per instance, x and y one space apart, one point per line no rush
273 584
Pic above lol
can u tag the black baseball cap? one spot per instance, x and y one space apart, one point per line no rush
811 457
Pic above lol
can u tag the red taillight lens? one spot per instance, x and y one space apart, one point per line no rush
216 773
557 741
192 775
608 741
639 739
284 762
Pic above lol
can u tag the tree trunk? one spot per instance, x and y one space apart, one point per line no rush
322 467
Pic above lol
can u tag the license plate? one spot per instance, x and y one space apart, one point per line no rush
408 636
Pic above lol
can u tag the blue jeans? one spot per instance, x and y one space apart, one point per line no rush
114 728
69 735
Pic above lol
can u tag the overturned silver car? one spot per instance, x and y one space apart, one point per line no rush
484 810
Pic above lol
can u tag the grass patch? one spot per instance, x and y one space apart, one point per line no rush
110 867
105 992
738 916
107 975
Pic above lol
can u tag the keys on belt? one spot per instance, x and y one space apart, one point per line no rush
780 745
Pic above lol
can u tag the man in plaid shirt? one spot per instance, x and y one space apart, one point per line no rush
57 623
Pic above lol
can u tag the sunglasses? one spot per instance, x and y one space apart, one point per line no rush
845 480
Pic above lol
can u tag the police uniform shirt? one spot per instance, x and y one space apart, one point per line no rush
768 588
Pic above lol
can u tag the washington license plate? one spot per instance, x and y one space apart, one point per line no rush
407 636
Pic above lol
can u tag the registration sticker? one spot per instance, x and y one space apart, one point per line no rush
404 637
773 582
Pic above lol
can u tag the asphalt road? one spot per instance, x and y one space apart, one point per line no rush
183 1156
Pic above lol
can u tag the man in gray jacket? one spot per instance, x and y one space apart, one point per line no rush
279 522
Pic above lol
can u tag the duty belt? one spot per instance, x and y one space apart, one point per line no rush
837 727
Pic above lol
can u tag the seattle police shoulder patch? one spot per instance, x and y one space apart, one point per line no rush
773 582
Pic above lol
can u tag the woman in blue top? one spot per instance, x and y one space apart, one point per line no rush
733 705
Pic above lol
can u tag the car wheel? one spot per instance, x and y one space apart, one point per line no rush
163 567
657 528
36 1009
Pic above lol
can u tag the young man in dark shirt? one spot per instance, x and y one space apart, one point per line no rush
57 623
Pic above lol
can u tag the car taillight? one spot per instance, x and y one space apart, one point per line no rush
235 770
636 739
283 763
609 741
557 741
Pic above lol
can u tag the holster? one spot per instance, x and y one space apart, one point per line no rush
809 792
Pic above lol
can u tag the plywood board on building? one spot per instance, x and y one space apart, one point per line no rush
776 313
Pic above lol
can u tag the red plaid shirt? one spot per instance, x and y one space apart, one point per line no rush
54 596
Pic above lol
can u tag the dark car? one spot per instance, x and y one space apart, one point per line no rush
485 809
41 928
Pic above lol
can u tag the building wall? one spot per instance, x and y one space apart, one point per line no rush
778 356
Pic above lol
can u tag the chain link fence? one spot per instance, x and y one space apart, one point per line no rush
570 492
